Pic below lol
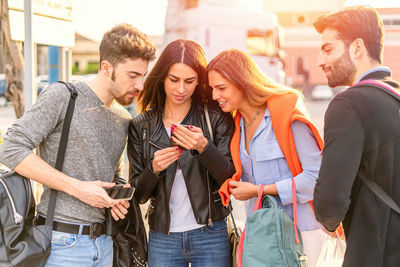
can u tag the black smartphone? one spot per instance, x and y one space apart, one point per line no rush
120 192
172 142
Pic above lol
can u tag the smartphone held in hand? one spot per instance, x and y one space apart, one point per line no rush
172 142
120 192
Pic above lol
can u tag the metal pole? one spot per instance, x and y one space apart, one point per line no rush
29 56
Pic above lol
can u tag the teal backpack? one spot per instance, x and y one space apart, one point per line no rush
269 238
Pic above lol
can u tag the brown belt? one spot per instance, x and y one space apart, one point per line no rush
94 230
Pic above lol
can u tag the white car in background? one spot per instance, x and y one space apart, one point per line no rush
321 92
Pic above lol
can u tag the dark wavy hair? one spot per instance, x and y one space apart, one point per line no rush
179 51
356 22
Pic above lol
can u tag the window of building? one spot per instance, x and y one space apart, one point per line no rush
261 43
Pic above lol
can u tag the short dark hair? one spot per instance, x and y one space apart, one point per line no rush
356 22
180 51
125 41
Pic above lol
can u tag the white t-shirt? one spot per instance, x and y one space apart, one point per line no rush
180 208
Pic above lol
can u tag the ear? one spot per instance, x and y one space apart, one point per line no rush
357 49
106 68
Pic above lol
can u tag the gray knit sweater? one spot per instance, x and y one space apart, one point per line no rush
94 151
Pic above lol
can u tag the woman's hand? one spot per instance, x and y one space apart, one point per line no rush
242 190
165 157
192 138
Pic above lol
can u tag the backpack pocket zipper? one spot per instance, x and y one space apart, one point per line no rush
17 217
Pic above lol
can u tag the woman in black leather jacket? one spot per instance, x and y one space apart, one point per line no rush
181 173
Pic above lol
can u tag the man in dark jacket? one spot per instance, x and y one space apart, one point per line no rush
362 135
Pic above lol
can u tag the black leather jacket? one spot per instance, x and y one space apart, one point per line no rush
147 134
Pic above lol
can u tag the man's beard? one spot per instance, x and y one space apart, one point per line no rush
123 100
342 70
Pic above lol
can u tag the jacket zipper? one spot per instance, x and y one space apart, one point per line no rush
17 217
210 222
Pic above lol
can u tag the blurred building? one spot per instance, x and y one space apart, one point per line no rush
218 25
302 42
84 53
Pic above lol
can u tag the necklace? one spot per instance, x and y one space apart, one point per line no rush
251 122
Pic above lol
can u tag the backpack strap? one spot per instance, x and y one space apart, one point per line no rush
379 192
387 88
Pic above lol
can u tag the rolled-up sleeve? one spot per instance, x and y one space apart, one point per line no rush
310 158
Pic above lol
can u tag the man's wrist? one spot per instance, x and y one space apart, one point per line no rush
72 187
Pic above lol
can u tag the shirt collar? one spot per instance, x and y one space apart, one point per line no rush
380 68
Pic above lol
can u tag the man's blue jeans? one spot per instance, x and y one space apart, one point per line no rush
203 247
80 251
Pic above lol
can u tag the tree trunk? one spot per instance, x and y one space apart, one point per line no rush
13 63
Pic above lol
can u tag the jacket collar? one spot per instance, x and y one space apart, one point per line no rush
379 73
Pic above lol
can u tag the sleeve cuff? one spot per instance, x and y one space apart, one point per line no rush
284 188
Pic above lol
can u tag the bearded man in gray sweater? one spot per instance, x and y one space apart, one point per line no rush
94 151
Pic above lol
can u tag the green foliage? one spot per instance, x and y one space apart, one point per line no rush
74 70
91 68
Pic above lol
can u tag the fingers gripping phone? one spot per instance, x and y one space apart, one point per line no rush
172 142
120 192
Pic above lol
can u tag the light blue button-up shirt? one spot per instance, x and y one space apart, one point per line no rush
266 164
380 68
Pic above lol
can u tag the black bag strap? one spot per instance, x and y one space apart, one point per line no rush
61 150
379 192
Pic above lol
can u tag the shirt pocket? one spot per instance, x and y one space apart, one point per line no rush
267 162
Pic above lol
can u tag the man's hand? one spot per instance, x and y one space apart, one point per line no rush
121 209
93 193
331 234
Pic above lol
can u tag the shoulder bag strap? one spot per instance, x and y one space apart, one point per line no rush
212 139
61 150
387 88
379 192
208 122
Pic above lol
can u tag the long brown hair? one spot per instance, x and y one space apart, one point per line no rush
179 51
240 69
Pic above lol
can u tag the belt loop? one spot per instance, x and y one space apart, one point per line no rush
80 230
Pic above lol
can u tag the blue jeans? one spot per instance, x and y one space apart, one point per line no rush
203 247
80 251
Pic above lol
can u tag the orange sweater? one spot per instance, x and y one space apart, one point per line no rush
283 112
